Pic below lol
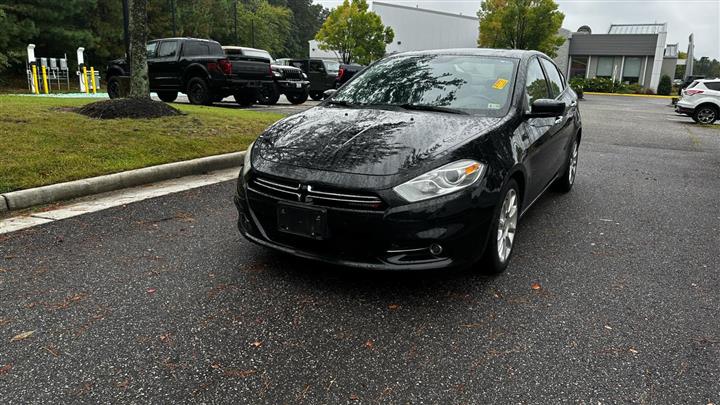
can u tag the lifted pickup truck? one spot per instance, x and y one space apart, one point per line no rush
288 80
198 68
322 73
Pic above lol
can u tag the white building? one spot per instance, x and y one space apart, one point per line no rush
418 29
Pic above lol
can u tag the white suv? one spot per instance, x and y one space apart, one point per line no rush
701 101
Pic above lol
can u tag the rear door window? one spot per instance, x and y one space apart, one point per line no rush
167 49
316 66
202 48
713 85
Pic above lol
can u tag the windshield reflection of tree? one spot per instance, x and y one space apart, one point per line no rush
366 140
413 80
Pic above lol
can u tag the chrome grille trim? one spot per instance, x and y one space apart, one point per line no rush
315 197
354 197
268 183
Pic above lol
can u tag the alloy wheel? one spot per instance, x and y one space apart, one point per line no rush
706 115
507 224
573 163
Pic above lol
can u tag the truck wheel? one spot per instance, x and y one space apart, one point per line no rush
113 87
198 92
316 95
245 99
297 98
269 95
167 96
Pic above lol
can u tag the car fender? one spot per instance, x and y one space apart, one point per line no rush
195 70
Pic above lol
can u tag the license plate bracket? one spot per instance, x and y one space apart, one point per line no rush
309 222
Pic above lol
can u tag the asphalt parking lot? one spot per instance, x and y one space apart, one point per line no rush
611 297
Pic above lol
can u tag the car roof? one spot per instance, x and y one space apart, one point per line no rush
183 38
506 53
244 48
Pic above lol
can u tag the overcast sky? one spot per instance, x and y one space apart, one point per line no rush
701 17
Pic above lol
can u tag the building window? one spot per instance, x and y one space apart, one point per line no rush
578 67
631 71
605 67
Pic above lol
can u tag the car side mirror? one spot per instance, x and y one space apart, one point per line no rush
329 93
546 108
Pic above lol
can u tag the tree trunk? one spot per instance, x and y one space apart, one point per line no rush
139 83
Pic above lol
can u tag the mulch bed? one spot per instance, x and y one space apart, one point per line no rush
128 108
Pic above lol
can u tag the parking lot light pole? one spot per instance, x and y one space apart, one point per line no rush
126 28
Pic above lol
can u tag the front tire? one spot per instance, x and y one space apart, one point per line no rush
167 96
269 95
705 114
502 230
297 99
198 92
245 99
316 95
565 182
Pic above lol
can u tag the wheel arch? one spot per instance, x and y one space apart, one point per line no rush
517 173
192 71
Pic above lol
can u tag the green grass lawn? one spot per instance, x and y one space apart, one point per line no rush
43 142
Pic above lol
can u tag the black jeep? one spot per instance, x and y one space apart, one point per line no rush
288 80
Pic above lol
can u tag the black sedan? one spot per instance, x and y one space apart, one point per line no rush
424 160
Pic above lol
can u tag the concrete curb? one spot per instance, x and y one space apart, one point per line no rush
594 93
72 189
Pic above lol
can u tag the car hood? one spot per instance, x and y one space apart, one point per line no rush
366 141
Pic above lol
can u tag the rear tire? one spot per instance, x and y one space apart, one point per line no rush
113 87
297 99
565 182
503 229
167 96
705 114
198 92
316 95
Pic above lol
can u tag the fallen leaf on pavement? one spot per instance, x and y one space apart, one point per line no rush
256 343
393 307
633 351
151 290
5 321
52 350
354 397
22 336
215 365
165 338
536 286
5 369
608 327
370 344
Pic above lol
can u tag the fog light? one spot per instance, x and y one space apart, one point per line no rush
436 249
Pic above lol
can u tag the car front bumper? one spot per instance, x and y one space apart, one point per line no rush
396 238
293 86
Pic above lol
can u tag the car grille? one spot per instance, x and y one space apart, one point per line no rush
295 191
293 74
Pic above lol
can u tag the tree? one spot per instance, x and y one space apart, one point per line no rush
521 24
139 83
307 18
354 33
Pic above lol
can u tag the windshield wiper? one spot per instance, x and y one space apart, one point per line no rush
427 107
341 103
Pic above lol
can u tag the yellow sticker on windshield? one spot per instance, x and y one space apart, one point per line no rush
500 84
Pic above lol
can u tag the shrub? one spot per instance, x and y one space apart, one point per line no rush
578 86
635 89
665 86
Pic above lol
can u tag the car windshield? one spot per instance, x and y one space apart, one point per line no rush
332 66
473 84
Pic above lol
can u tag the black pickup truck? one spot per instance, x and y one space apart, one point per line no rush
288 80
346 72
198 68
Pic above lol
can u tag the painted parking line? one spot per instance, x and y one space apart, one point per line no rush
104 201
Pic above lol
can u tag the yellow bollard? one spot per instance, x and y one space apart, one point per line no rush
45 82
92 76
85 80
35 79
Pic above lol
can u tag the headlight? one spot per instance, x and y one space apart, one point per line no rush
247 164
444 180
277 74
304 76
